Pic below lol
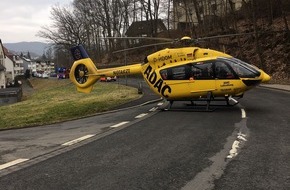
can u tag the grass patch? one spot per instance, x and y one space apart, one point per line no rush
53 101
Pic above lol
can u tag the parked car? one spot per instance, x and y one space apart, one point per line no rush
63 73
53 75
108 79
44 75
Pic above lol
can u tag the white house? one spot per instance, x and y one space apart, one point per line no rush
18 65
9 65
2 67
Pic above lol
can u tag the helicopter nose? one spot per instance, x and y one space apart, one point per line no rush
265 77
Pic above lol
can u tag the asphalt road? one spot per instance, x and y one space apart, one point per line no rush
240 147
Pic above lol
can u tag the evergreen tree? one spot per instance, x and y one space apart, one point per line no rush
28 55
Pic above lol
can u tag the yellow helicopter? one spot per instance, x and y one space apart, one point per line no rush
178 74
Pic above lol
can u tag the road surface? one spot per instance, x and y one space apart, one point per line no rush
242 147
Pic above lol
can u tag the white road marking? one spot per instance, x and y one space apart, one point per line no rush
12 163
240 137
153 109
119 124
234 100
241 134
243 113
141 115
160 104
234 151
77 140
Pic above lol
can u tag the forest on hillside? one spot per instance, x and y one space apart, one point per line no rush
258 32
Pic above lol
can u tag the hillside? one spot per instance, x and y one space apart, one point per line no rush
273 45
274 48
34 48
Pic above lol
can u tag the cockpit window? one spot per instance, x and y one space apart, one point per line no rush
224 71
243 69
191 71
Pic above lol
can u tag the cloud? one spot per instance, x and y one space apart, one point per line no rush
20 20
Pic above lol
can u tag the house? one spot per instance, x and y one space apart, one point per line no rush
18 65
14 66
29 64
2 67
9 65
44 66
194 12
145 28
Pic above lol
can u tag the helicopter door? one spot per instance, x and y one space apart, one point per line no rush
202 78
226 79
189 80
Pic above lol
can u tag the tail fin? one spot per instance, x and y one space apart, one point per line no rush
79 52
83 72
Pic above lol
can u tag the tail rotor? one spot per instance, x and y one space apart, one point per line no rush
83 72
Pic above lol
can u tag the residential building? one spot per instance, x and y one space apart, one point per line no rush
145 28
44 66
18 65
9 65
2 67
194 12
29 64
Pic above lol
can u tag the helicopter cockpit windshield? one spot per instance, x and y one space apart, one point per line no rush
241 68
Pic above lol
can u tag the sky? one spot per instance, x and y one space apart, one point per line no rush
21 20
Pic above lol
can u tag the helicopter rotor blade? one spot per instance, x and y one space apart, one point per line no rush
224 36
150 45
138 38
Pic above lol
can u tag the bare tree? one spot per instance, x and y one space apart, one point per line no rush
66 29
257 44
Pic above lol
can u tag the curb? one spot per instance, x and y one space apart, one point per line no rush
276 87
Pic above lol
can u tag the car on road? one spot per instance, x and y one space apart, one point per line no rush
108 79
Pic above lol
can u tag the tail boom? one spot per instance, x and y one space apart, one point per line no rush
84 74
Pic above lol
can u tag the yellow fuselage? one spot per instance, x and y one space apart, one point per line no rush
182 87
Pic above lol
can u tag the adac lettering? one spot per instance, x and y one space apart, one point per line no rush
162 58
157 83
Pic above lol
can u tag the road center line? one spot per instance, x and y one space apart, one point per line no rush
243 113
141 115
12 163
77 140
153 109
119 124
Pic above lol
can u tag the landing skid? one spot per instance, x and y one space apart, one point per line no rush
207 107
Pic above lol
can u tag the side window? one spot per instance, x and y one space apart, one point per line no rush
179 73
202 70
222 71
164 74
176 73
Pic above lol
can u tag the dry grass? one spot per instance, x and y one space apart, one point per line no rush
57 100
